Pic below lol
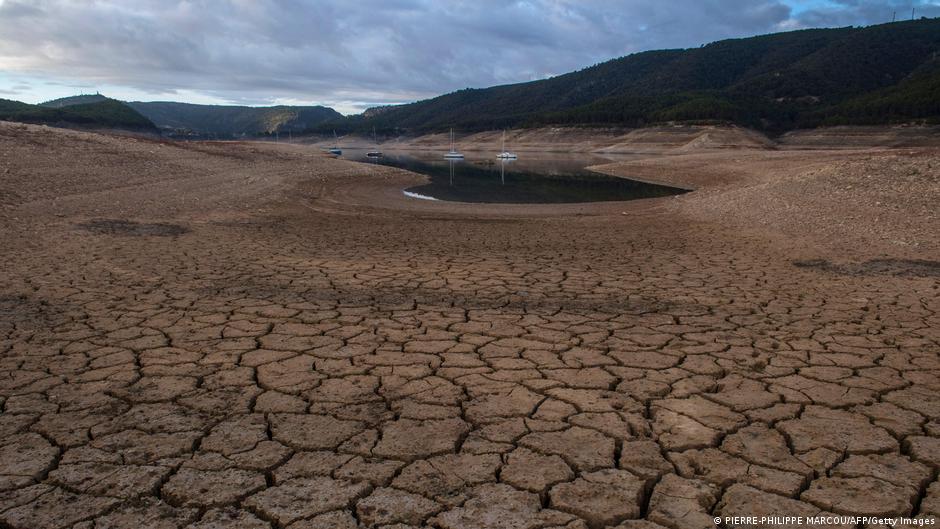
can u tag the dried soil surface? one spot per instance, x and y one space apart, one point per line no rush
247 335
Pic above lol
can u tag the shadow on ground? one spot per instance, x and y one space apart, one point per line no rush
894 267
131 228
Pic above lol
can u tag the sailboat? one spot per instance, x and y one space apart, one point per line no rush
376 153
453 154
334 149
506 155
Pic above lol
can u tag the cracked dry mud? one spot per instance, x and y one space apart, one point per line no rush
305 359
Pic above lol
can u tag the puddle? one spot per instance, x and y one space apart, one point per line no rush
533 179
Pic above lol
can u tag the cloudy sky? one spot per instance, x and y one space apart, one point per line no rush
352 54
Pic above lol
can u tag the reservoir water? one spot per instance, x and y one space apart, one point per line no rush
535 178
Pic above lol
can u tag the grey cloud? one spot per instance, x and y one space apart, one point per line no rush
865 12
368 52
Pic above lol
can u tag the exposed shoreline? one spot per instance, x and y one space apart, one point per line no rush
731 184
657 140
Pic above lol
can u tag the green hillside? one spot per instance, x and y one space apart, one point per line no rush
105 113
872 75
234 120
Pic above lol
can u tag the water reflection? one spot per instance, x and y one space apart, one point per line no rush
503 162
541 178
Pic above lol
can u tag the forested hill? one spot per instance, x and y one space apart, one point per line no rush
234 120
82 99
872 75
93 111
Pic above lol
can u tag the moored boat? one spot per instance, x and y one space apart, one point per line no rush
377 153
453 154
506 155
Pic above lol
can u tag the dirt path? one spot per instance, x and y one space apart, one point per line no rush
255 336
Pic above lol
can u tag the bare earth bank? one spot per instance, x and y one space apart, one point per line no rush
653 140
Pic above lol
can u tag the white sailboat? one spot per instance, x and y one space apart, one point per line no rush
453 154
376 153
506 155
335 149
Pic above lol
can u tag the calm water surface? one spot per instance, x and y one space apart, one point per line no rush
536 178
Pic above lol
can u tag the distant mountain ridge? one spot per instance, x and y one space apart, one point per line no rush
186 119
234 120
879 74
